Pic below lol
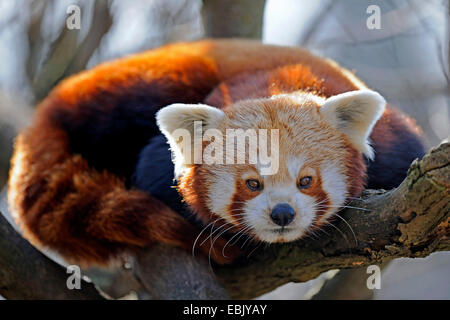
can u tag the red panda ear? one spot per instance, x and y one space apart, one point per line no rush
181 124
355 113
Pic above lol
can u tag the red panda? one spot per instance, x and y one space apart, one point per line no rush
91 176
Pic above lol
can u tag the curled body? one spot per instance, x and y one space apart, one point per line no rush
92 175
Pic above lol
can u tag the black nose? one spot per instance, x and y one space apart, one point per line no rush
282 214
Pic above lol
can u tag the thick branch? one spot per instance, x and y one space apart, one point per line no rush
25 273
172 273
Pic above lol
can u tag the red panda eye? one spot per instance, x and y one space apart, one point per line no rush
254 185
304 182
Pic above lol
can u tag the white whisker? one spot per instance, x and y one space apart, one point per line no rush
351 207
195 242
241 232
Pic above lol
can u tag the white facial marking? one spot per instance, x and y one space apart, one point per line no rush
221 193
294 165
334 184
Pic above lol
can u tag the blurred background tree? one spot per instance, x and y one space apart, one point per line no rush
407 61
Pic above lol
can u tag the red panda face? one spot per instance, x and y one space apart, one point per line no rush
316 160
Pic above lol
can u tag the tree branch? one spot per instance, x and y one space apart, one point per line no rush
25 273
172 273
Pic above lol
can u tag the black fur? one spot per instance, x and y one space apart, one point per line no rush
392 160
155 174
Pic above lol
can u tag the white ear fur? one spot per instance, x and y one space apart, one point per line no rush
355 113
178 120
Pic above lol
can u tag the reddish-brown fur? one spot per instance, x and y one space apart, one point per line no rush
82 206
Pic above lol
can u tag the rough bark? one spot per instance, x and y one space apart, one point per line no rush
172 273
409 221
25 273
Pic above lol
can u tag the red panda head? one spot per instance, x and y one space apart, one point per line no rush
306 169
